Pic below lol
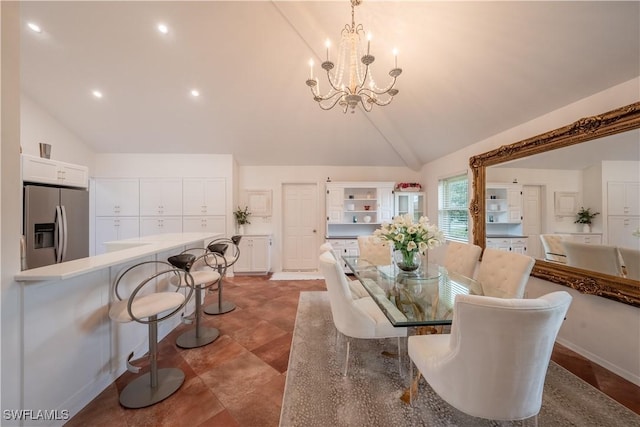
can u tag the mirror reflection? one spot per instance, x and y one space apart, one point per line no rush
578 206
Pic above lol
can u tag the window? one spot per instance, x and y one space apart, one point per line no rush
453 212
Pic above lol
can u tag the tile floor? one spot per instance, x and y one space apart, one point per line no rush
239 379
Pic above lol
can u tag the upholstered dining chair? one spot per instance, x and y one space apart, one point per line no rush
553 249
374 250
229 248
631 261
359 318
504 274
356 288
462 258
142 294
494 362
600 258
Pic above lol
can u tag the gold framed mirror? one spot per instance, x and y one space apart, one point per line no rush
612 123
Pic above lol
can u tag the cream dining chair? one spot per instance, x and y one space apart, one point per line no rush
494 362
374 250
631 261
462 258
356 288
504 274
601 258
355 318
553 249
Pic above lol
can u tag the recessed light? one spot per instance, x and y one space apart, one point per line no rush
97 93
34 27
195 93
163 28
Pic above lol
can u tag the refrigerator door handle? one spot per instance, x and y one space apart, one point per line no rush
57 235
65 236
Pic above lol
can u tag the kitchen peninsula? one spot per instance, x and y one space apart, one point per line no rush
71 349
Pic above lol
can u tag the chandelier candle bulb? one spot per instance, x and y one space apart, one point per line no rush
328 45
368 43
395 54
311 68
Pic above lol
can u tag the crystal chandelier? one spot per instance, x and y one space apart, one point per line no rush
358 86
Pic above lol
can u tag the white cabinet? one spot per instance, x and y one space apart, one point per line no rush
509 244
216 224
621 229
411 203
503 203
623 198
344 247
587 238
255 254
160 225
115 228
161 197
357 208
47 171
203 196
117 197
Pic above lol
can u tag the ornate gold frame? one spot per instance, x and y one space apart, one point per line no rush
616 121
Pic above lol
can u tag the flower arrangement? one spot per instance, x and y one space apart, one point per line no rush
584 216
408 186
242 215
409 237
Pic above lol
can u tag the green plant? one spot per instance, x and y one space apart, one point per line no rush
242 215
584 216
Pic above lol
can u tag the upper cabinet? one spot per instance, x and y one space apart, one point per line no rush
160 196
357 208
117 197
504 203
47 171
411 203
623 198
203 196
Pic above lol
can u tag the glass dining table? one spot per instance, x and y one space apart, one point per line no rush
420 298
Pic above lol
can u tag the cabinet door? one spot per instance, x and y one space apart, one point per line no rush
621 231
35 169
74 175
261 254
161 197
214 224
519 245
623 198
114 228
514 203
204 196
335 204
215 199
164 225
497 243
117 197
385 204
243 264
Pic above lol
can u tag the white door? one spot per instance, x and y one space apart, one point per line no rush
300 227
532 219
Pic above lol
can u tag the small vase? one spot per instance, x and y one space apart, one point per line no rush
586 228
407 260
240 229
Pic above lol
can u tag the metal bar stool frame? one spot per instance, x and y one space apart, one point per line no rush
222 307
199 335
157 384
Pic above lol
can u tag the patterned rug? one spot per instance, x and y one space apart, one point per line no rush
316 393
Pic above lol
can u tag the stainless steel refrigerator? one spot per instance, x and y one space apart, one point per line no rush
56 224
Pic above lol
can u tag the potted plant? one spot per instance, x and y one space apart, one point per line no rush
585 217
242 218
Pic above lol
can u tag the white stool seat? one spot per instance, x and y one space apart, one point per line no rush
200 277
145 306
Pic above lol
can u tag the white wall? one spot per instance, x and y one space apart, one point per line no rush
272 178
602 330
37 125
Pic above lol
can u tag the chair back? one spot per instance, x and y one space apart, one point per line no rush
631 262
227 247
600 258
504 274
499 352
374 250
326 247
347 318
553 249
462 258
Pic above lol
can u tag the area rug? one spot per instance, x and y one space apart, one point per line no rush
296 275
316 393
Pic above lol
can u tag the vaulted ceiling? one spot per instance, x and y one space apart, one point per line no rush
470 70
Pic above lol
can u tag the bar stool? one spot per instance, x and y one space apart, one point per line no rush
145 304
221 246
207 269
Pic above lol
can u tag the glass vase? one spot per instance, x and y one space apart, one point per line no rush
407 260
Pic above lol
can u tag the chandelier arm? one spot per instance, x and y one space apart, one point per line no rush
329 107
382 91
364 105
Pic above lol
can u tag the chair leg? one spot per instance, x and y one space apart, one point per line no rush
198 336
399 357
411 382
221 307
157 384
346 359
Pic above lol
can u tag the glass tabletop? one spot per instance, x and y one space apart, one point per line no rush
421 298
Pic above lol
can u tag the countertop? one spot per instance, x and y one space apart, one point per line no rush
132 249
506 236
